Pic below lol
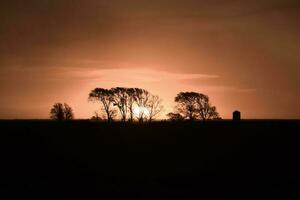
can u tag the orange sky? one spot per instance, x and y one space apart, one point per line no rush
243 54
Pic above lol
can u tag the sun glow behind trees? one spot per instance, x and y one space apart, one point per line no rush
127 103
243 54
138 111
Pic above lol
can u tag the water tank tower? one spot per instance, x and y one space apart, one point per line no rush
236 116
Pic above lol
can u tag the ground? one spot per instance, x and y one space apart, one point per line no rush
161 160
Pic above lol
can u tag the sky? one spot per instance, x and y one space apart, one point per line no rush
245 55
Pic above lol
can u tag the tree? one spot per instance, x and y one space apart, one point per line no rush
141 98
106 99
61 112
193 105
186 105
57 112
68 111
175 116
96 117
205 110
130 102
154 107
120 99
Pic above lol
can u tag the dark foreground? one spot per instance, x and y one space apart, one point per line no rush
162 160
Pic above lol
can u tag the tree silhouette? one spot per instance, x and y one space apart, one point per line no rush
175 116
205 110
96 117
141 98
68 111
61 112
120 99
186 105
57 112
193 105
154 107
130 102
106 99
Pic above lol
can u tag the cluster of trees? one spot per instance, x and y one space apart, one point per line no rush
135 103
193 106
128 103
61 112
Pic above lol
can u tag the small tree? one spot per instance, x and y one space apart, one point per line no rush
57 112
175 117
61 112
96 117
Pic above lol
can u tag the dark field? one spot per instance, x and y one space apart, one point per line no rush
150 161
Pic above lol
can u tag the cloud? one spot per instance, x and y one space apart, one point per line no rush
143 75
247 90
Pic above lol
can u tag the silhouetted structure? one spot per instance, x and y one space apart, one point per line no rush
236 116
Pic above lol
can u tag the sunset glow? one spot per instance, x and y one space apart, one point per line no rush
138 111
242 54
150 99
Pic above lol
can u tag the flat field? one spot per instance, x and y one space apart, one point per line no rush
160 160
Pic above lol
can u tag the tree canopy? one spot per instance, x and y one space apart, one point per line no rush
127 103
193 106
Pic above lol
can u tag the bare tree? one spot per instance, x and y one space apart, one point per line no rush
209 112
154 107
61 112
141 99
106 99
120 98
130 102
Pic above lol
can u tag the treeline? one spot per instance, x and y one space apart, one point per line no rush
130 104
